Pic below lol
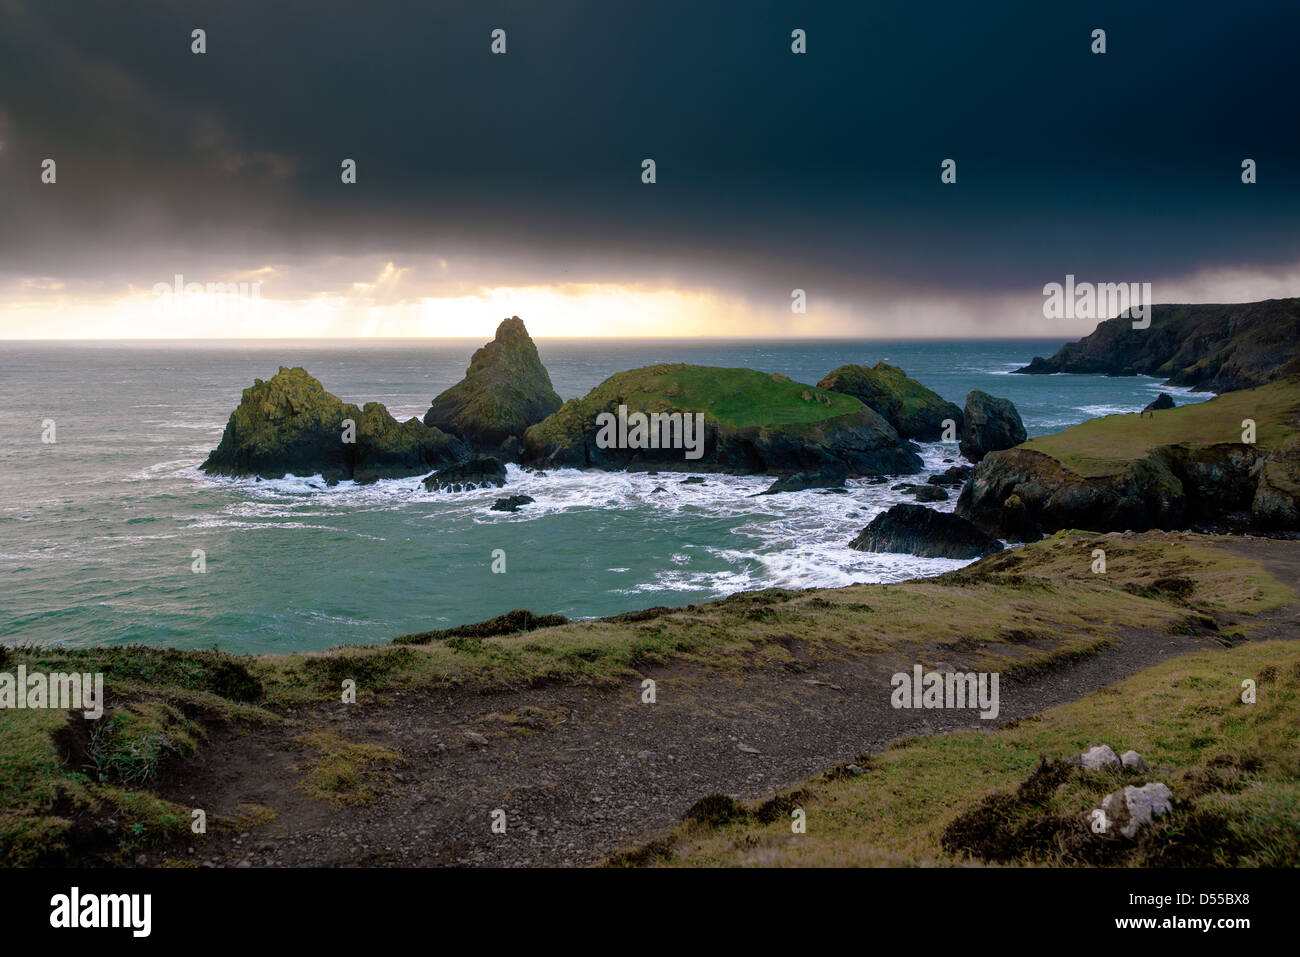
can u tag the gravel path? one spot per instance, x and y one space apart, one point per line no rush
582 771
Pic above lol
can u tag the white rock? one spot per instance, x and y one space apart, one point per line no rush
473 737
1133 761
1099 757
1132 809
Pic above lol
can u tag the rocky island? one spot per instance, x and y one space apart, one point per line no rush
754 423
505 410
505 390
289 424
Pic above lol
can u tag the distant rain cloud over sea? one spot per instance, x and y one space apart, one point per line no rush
489 184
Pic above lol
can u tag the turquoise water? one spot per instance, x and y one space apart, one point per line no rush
97 530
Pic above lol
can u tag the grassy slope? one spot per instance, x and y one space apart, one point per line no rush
740 398
1233 769
162 702
1104 446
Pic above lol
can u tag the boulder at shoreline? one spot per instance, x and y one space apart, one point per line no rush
829 477
989 424
917 530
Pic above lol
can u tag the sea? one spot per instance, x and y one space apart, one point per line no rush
104 529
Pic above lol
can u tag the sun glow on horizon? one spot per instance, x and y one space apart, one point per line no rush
246 306
431 298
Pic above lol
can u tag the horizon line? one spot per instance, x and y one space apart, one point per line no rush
270 339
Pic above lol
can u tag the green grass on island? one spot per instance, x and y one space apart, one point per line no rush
913 398
1009 797
903 401
737 398
1105 446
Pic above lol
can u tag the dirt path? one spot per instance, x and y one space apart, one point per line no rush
582 771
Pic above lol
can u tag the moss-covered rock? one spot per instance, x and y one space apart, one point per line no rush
753 423
505 390
289 425
914 411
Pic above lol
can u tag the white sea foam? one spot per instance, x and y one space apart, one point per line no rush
216 522
1183 391
1096 411
172 469
1008 368
794 539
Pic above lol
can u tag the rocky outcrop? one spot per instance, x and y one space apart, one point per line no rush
1276 503
701 418
829 477
1163 401
511 503
1020 494
928 493
1165 471
917 530
505 390
954 476
989 424
914 411
1219 348
289 424
479 472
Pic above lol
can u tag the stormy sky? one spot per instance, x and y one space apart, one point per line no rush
490 184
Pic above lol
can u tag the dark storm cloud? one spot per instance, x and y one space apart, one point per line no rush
821 169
